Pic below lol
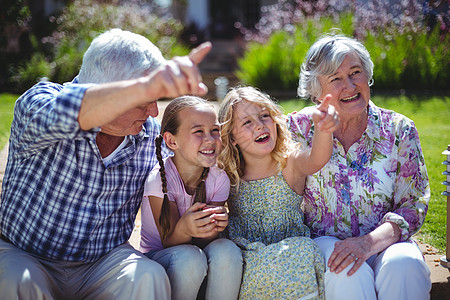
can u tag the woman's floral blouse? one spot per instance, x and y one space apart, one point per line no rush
381 178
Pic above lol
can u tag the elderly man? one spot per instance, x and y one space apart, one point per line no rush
79 154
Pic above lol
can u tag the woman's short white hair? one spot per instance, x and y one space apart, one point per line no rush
324 58
119 55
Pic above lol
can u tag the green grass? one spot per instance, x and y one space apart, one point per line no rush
431 116
6 116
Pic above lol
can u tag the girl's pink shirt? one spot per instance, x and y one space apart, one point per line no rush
217 190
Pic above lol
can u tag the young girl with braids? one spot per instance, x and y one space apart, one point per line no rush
182 209
267 174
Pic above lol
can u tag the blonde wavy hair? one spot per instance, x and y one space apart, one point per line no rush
231 159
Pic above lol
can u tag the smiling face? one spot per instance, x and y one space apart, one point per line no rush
349 88
130 123
197 142
254 130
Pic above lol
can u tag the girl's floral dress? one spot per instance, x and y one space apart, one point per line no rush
280 260
381 178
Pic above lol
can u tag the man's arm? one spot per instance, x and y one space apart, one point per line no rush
105 102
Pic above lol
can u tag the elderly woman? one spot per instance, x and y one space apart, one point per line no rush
372 196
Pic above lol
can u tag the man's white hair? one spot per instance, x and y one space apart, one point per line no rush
119 55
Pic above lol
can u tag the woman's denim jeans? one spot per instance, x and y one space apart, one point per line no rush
187 266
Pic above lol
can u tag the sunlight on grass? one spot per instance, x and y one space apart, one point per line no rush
6 116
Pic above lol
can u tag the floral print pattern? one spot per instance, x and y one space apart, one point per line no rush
281 261
381 178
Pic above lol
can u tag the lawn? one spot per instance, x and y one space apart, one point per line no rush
431 116
6 116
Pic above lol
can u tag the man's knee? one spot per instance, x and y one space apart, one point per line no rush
149 270
22 278
152 279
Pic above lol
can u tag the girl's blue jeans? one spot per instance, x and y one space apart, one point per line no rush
187 265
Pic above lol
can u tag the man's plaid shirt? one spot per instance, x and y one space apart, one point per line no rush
58 199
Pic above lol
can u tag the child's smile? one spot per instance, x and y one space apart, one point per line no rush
263 138
197 142
254 130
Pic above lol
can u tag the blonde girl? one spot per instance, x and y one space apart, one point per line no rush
267 173
182 209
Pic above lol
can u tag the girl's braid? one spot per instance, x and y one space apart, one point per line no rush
164 218
200 190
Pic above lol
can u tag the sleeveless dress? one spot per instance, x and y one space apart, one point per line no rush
280 260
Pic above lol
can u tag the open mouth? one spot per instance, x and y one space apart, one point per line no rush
262 138
208 152
351 98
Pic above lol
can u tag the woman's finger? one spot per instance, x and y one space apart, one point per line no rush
358 263
343 260
323 106
331 120
339 260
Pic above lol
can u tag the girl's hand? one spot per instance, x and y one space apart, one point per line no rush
219 217
198 222
325 116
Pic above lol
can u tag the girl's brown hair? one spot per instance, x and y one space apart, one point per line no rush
170 123
231 159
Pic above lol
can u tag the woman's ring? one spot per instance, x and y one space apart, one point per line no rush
354 256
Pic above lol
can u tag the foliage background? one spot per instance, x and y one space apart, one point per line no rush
408 41
58 56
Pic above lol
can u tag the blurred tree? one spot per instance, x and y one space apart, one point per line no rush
14 35
58 54
14 21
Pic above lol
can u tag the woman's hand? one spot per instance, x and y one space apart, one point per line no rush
325 116
359 249
353 249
